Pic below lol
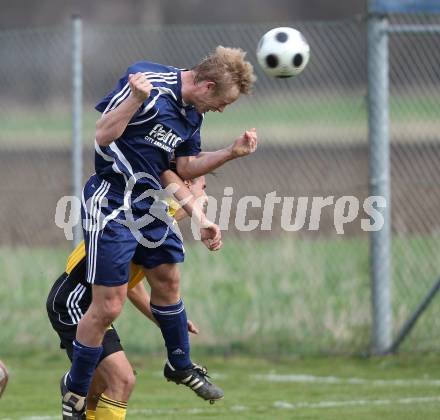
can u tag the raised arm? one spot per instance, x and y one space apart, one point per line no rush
190 167
112 124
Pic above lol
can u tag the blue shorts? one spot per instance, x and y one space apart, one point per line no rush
117 231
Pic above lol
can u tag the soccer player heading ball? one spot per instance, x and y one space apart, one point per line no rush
153 115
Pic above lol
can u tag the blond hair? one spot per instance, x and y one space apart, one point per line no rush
226 67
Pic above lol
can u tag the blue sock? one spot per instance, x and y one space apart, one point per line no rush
174 326
84 361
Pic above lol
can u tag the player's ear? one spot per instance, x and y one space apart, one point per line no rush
210 86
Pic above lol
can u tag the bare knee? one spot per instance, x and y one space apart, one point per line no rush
121 385
105 314
110 310
107 304
165 284
128 381
170 285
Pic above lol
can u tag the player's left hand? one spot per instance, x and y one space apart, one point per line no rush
192 328
245 144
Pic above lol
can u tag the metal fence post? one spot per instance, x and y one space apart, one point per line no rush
77 76
379 168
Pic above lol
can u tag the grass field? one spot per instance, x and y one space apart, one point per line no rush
395 388
260 298
274 296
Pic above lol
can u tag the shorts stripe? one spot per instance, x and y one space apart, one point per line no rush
97 230
77 300
94 229
72 303
91 227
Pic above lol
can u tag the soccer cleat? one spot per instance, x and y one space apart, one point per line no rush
196 378
73 405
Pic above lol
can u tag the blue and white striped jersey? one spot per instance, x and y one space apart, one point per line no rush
162 128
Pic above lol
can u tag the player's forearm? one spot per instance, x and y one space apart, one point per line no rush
203 163
112 124
139 297
174 185
180 214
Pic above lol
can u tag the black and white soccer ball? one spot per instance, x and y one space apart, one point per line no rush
283 52
3 377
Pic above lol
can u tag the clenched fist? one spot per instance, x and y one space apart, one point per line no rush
211 236
140 86
245 144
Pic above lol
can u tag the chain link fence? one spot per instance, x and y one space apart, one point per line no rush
415 187
277 288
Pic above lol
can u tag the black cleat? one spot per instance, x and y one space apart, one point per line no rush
73 406
196 378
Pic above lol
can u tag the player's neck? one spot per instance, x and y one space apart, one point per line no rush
187 86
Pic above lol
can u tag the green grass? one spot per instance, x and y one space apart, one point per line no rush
395 388
281 300
274 296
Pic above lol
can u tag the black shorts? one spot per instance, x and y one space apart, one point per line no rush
111 343
64 318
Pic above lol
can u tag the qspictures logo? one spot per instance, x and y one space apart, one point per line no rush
295 213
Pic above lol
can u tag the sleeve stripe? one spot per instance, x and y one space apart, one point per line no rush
168 78
170 75
163 81
158 76
124 93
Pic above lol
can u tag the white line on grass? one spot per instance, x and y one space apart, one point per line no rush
38 418
277 404
345 381
350 403
217 408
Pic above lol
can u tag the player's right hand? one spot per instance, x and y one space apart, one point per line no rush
140 86
192 327
211 236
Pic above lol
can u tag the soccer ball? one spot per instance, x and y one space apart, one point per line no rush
283 52
3 377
